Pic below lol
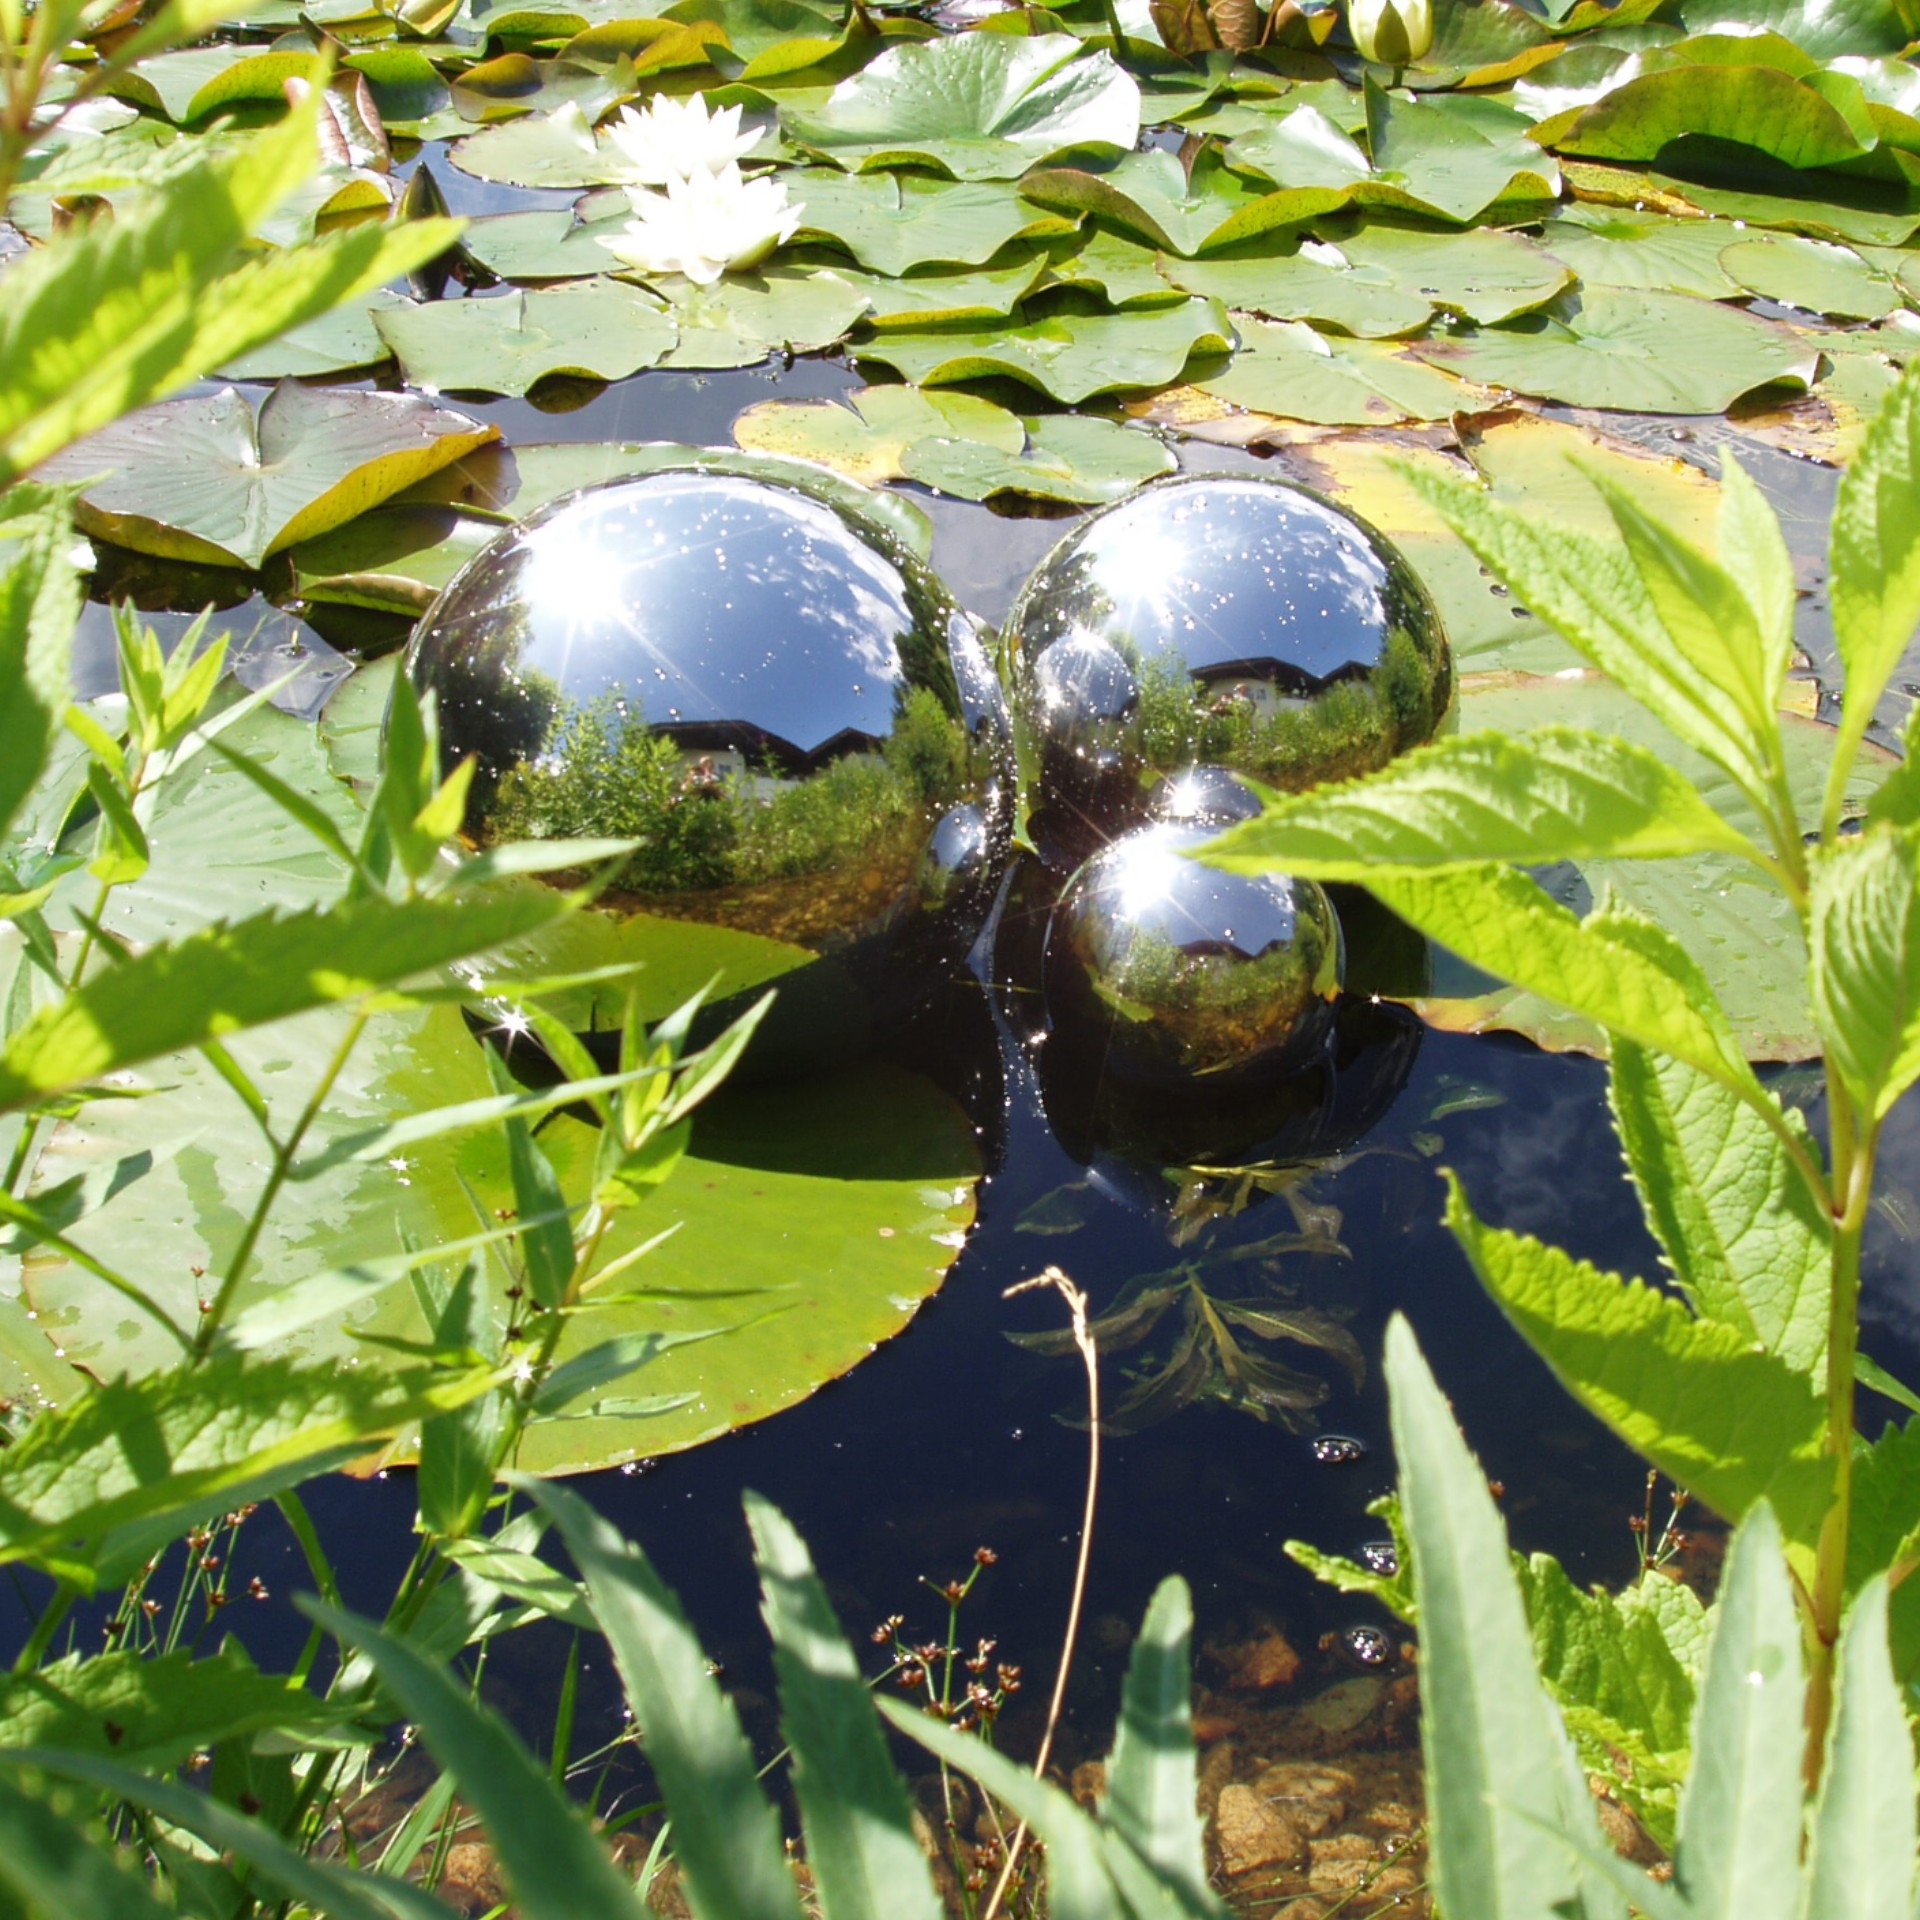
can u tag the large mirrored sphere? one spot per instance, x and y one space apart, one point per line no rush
1239 622
784 709
1168 970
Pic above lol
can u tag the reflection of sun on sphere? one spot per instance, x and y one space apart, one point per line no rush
783 709
1167 969
1241 622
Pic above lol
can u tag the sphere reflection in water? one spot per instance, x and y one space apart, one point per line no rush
1169 969
783 708
1242 622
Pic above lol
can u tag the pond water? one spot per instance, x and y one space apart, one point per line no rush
953 1437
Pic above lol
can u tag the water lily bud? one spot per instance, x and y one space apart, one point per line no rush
1391 32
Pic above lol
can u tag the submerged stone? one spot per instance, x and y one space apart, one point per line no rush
1238 622
1172 970
783 708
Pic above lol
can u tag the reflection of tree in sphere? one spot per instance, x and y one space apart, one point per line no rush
1242 622
1173 970
782 708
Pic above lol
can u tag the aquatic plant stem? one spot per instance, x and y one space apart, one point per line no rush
1090 1354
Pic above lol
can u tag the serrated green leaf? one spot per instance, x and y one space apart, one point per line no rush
1740 1813
1554 794
1744 1237
866 1862
1865 961
227 978
1730 1424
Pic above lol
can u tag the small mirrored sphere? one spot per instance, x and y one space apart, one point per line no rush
1172 970
1379 1556
1339 1450
783 708
1238 622
1367 1646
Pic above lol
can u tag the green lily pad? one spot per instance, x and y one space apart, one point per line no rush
539 151
1617 247
167 82
1068 456
200 479
981 106
894 222
1123 272
1457 154
1152 195
512 85
604 329
768 38
1835 207
946 297
1483 274
1657 114
959 444
1070 356
1822 28
743 317
1635 352
1743 933
332 342
399 556
1302 283
548 243
1814 275
1287 369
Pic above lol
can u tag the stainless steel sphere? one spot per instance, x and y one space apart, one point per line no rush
1241 622
1171 970
785 710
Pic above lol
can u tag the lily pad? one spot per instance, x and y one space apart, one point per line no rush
1634 352
1122 271
602 328
1618 247
546 243
981 106
894 222
1304 283
959 444
1483 274
948 297
1814 275
540 150
743 317
201 479
1836 207
1071 356
1457 154
1822 28
1743 933
330 343
1151 194
1289 370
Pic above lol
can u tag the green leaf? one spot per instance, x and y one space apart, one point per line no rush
1288 369
227 978
981 106
1740 1813
39 603
725 1835
1153 195
1067 457
893 222
1861 1841
1864 939
743 317
1628 247
1875 557
50 1865
1394 1590
867 440
948 296
1622 1688
602 329
460 1450
1482 274
137 306
1457 154
866 1862
151 1709
202 480
1533 798
1814 275
1730 1424
1635 352
1743 1236
145 1459
557 1867
1152 1773
1070 356
1500 1776
547 1249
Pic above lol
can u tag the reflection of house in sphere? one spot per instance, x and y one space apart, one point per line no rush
1237 621
1166 969
785 711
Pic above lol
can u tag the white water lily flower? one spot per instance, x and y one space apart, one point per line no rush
678 139
712 224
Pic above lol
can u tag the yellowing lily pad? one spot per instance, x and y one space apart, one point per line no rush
201 479
1289 370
